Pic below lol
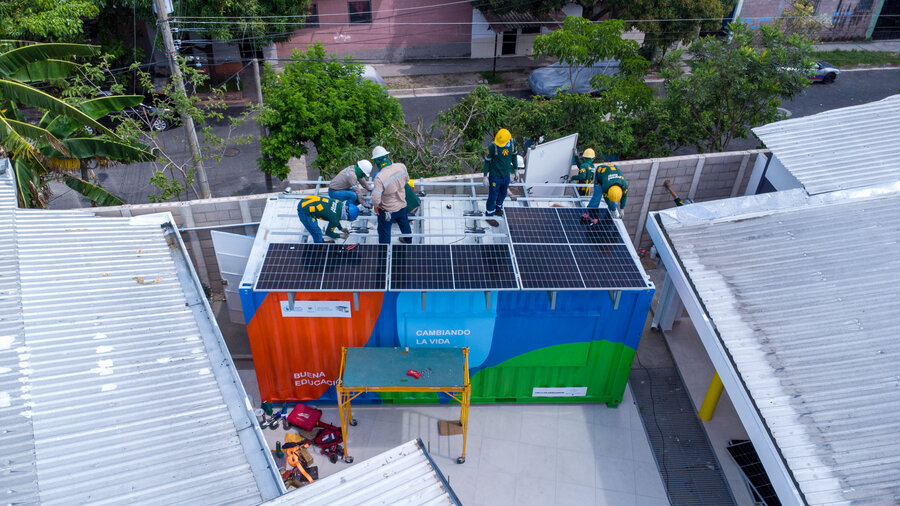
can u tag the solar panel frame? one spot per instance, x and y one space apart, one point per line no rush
547 267
421 267
604 232
493 262
608 266
292 267
360 269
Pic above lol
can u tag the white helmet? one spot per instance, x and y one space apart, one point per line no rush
379 151
365 166
520 161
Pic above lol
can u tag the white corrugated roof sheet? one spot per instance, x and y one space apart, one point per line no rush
850 147
804 295
115 383
404 475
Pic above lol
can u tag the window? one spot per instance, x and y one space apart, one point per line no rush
312 17
360 12
531 29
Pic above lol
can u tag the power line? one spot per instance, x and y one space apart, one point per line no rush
338 14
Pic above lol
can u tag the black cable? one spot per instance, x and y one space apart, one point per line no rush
662 464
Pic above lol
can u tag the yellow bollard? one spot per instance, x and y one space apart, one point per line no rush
712 398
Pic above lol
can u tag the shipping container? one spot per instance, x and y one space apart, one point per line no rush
524 345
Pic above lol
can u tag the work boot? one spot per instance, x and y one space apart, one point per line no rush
493 223
499 212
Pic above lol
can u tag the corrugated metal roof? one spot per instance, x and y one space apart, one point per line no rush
803 295
850 147
403 475
515 20
116 386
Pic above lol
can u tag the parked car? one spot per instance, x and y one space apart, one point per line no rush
147 116
824 72
557 78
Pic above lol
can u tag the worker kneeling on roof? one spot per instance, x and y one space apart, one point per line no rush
389 196
352 183
499 162
610 185
585 174
314 208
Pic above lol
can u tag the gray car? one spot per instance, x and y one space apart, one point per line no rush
557 78
824 72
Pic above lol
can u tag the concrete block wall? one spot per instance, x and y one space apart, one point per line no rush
700 177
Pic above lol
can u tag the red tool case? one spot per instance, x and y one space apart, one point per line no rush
304 417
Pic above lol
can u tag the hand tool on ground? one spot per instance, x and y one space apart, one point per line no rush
292 457
284 421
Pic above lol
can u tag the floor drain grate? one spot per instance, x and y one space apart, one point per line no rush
687 463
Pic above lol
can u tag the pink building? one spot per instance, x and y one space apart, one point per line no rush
386 30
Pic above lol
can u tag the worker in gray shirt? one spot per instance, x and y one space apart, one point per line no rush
352 184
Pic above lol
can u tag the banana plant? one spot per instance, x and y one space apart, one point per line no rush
56 146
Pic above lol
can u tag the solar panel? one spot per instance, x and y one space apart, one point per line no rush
421 267
362 268
483 267
534 225
547 266
607 266
604 231
745 455
292 267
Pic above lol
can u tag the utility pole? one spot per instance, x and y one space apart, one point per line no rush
262 130
186 119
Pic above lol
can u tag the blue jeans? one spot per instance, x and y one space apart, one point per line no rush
384 226
496 194
596 197
312 225
345 196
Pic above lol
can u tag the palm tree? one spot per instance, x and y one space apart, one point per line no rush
56 146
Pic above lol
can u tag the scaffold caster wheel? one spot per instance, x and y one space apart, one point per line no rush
353 422
348 460
461 460
333 458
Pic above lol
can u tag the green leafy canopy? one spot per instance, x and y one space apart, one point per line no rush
321 99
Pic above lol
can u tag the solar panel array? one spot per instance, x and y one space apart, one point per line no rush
314 267
452 267
554 250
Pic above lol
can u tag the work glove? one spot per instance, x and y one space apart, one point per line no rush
485 181
345 234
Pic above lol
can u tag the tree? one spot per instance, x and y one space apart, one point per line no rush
665 22
56 145
581 43
52 20
734 84
321 99
800 18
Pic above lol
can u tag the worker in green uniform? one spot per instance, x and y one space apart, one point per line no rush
585 174
314 208
412 200
610 185
499 163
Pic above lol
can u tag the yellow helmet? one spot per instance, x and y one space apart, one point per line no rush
502 138
614 193
412 183
588 153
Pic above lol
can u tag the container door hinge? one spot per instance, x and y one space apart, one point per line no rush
291 296
423 301
356 301
552 295
487 300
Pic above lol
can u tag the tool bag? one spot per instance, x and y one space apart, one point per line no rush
304 416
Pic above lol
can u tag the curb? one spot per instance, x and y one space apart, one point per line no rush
444 90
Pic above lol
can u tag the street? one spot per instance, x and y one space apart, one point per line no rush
237 174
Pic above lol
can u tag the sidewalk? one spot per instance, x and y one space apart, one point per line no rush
864 45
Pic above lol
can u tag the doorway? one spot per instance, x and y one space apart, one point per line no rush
509 42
